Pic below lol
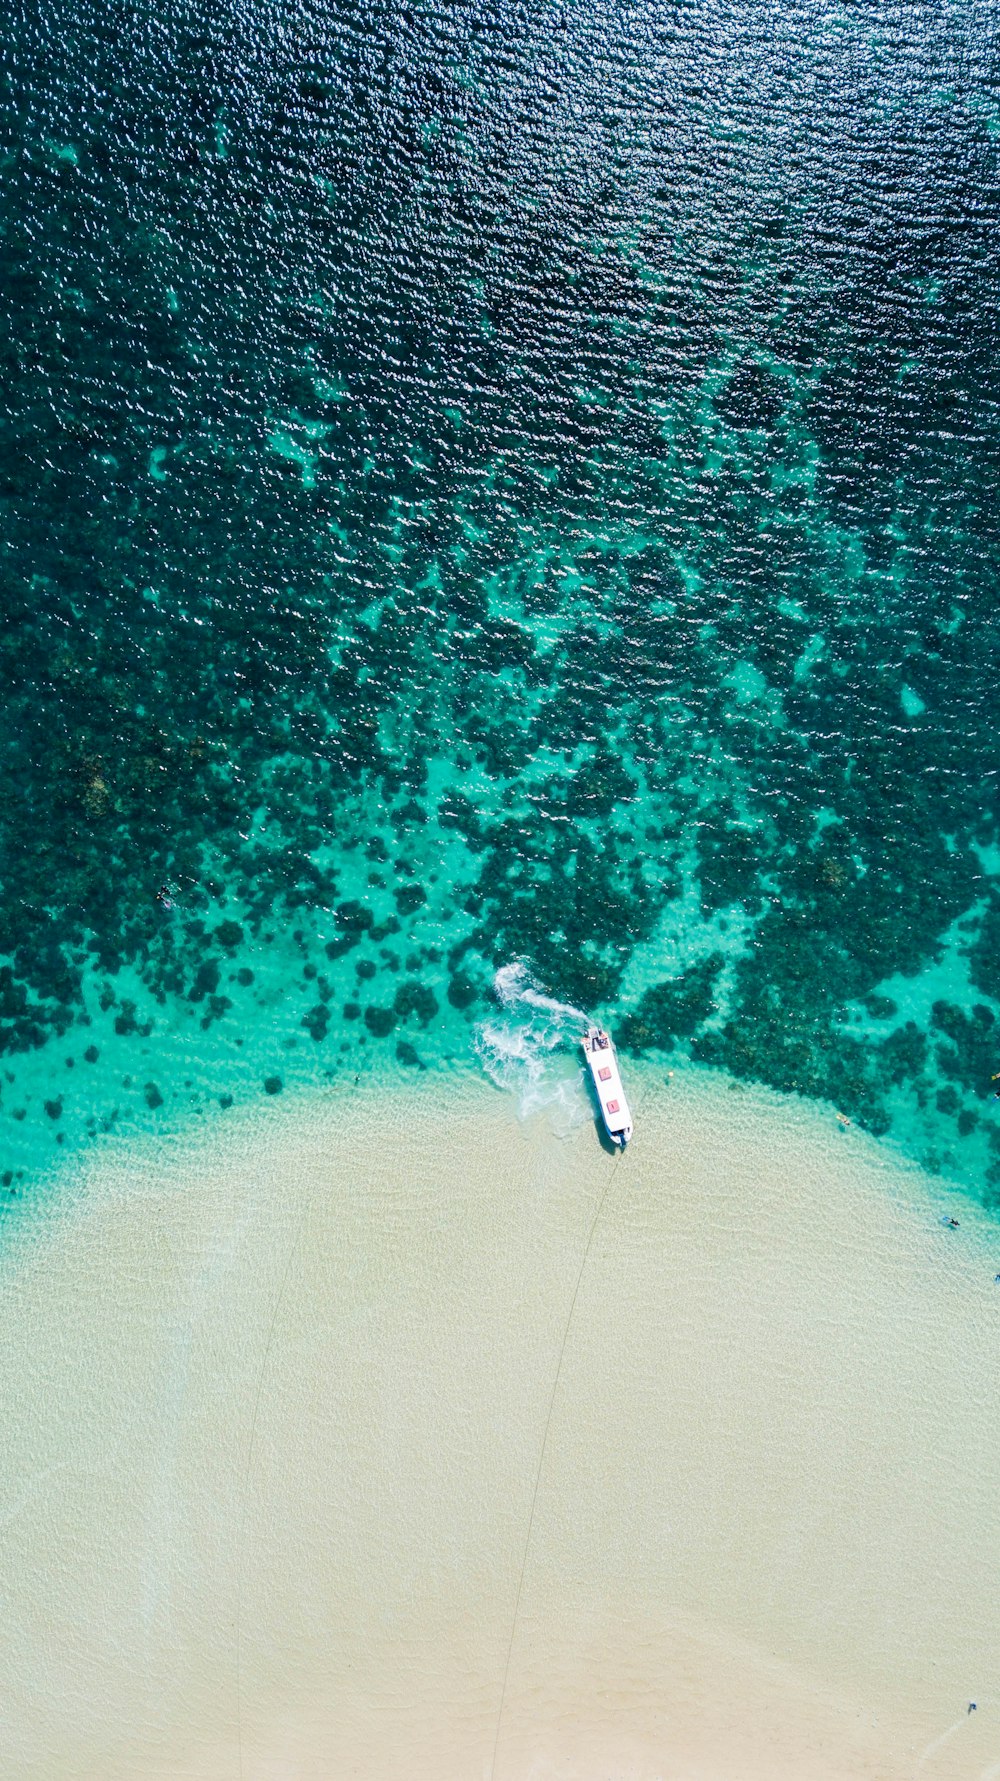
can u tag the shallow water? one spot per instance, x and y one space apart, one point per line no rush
483 485
406 1449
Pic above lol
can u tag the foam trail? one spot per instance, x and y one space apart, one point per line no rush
519 1047
514 984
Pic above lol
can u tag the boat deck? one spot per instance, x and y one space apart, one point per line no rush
606 1076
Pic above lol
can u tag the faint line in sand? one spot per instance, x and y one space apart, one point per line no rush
541 1463
937 1744
246 1472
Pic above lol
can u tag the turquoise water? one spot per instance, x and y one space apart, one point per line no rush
493 484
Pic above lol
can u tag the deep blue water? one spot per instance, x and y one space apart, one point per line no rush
491 483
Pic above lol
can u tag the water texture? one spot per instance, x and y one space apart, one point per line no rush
487 484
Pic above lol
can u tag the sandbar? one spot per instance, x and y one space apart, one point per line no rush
430 1444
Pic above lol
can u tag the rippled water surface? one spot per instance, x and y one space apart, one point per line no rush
494 483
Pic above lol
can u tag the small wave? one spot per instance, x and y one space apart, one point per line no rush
523 1048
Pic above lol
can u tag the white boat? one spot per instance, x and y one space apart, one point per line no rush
603 1066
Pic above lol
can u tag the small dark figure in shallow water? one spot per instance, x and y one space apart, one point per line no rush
950 1224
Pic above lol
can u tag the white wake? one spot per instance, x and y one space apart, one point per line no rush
529 1045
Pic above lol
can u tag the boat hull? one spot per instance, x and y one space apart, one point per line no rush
605 1075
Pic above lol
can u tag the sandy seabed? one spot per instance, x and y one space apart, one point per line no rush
280 1404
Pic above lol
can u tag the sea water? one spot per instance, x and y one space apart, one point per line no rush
487 488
